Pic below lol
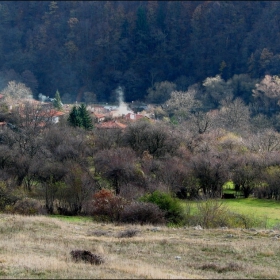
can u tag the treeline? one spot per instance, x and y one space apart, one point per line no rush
86 49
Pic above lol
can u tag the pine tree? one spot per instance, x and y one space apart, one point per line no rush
57 101
74 118
80 117
85 117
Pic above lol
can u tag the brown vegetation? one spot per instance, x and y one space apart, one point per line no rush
39 247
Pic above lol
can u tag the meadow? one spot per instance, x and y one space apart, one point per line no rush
263 209
39 247
265 212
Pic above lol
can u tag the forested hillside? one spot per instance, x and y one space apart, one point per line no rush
86 49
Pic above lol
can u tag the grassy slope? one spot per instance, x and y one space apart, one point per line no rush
39 247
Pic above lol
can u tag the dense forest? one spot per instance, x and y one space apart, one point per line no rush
86 49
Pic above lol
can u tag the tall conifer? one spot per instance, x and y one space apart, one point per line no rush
57 101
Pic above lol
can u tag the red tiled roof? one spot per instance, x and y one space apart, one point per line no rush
99 115
132 116
57 113
52 113
111 124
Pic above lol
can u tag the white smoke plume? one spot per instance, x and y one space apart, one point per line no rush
123 107
42 97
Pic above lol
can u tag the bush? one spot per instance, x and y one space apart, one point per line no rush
143 213
86 256
7 198
174 211
28 206
106 206
211 213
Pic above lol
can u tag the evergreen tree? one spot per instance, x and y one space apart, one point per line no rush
85 117
57 101
80 117
74 118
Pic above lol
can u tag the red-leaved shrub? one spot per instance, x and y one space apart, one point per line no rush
107 206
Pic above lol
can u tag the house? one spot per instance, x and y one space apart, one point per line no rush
55 115
111 124
99 117
39 113
134 117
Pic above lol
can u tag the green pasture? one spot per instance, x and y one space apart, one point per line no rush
72 219
262 209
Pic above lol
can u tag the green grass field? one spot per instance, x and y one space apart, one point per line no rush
262 209
71 218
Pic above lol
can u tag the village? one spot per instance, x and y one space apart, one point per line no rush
103 115
115 116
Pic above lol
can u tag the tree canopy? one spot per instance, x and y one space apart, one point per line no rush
93 47
79 116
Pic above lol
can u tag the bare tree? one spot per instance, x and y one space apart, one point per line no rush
267 93
155 138
15 92
235 115
107 138
216 89
211 172
79 186
267 140
181 103
246 170
201 122
117 165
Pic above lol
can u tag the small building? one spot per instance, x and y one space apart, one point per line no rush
111 124
56 115
134 117
99 117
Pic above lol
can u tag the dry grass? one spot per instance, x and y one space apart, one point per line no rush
39 247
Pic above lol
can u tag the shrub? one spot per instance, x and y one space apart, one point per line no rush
86 256
107 206
28 206
143 213
7 198
174 211
211 213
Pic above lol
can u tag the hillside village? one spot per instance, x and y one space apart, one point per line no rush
103 116
111 116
